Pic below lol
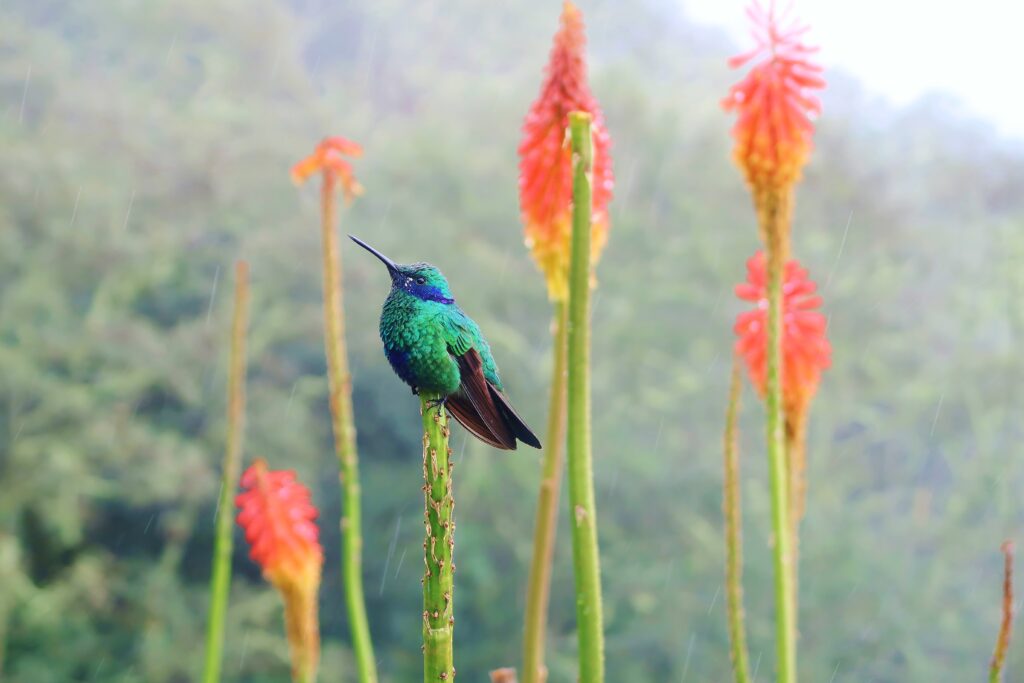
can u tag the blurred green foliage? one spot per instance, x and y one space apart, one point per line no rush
145 146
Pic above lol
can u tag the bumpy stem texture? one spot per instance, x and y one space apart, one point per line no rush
586 563
734 535
539 588
778 466
995 673
438 545
340 385
220 578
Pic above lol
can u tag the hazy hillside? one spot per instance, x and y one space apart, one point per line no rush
146 146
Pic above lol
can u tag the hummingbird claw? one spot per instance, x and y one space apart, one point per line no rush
437 403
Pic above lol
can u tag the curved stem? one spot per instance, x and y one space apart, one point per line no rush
220 578
342 423
778 469
995 673
538 589
734 535
439 544
586 564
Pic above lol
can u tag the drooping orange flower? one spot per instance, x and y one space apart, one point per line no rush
545 161
774 101
805 347
329 158
278 518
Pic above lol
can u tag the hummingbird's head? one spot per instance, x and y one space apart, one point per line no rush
421 280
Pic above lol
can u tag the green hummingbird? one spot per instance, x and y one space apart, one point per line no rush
436 348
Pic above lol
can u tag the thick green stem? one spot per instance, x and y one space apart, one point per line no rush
778 471
439 544
340 384
586 564
995 672
539 587
220 578
734 535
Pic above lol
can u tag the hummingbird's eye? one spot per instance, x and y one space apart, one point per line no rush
421 280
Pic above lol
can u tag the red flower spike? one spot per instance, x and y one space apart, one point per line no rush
805 348
278 518
329 158
545 162
774 103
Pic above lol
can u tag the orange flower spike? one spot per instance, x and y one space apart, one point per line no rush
805 348
329 159
278 518
773 102
545 162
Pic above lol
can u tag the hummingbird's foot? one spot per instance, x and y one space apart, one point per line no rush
437 403
415 391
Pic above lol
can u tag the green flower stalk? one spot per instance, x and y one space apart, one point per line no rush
734 535
439 543
220 576
778 477
546 198
586 564
327 159
775 106
995 674
538 590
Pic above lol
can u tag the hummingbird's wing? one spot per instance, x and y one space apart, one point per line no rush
474 407
479 405
484 410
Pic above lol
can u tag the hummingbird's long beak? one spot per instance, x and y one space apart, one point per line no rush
392 268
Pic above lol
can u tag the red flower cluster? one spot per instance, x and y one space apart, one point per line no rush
278 518
545 161
805 348
329 158
775 107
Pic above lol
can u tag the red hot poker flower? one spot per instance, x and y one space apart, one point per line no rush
805 348
545 162
278 518
774 101
329 158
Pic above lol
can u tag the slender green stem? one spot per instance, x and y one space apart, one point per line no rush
734 535
778 472
340 382
539 587
995 673
439 544
586 564
220 578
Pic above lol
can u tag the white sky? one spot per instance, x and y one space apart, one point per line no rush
905 48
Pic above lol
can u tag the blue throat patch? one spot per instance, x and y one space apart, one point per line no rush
432 294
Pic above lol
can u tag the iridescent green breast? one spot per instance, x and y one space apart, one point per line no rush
415 343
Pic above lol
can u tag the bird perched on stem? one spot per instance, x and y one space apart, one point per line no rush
434 347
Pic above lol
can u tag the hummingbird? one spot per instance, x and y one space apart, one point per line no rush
434 347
